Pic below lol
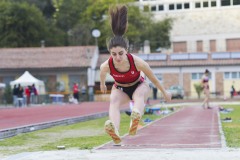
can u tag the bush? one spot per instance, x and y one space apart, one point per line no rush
198 87
8 95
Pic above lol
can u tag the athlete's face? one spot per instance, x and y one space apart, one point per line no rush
118 54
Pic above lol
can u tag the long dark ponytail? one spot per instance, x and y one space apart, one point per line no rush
119 23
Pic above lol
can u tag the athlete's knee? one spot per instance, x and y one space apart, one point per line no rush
114 99
139 95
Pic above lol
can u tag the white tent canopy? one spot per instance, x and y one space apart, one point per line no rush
28 80
2 85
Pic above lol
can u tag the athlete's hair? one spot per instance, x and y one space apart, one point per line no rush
206 71
119 23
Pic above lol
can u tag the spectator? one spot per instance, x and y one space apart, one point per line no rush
28 94
155 90
20 96
15 95
233 91
83 90
34 94
76 91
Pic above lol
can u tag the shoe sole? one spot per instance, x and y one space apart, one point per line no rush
135 118
110 130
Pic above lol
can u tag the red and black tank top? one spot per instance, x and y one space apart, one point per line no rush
124 77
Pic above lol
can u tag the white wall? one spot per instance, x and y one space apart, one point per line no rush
212 23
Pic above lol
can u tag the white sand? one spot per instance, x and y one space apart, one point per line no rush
143 154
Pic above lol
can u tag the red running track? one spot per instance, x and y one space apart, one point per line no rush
17 117
191 127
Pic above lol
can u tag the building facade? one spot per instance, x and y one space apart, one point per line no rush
58 67
199 25
186 69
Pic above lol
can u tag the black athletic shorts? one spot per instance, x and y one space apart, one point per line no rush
129 90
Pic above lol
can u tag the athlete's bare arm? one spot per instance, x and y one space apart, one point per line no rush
145 68
104 70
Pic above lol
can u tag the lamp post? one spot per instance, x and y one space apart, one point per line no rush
91 71
96 33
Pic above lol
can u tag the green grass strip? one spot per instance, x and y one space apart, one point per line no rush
83 135
232 129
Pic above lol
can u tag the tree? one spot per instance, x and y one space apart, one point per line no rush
21 25
198 87
45 6
8 95
70 13
140 25
158 33
96 16
70 22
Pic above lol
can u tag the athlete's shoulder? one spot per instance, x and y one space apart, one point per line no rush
139 62
137 59
104 65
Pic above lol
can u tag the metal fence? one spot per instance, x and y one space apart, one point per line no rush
43 99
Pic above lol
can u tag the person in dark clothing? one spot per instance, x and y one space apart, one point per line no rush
34 94
20 96
15 95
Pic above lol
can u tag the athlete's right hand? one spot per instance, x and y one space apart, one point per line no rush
103 88
168 96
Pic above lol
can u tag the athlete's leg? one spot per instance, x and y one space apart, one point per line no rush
140 96
206 99
117 99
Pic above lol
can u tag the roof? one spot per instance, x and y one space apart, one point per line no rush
169 62
46 57
102 58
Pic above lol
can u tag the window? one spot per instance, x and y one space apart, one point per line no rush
153 8
205 4
227 75
213 3
236 2
171 7
8 79
225 2
213 46
199 46
160 7
201 74
179 47
186 5
179 6
198 76
234 75
197 5
194 76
